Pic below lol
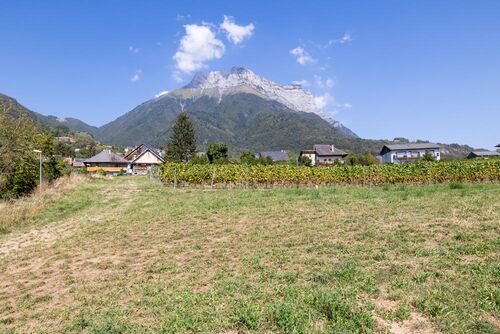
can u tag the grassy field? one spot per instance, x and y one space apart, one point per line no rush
127 255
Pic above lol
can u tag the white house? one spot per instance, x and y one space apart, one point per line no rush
409 152
142 158
324 154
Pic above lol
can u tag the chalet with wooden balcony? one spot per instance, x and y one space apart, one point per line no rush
142 158
106 161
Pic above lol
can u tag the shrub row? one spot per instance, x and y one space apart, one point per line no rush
285 175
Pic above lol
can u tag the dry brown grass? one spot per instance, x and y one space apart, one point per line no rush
20 211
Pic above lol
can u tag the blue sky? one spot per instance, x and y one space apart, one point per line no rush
418 69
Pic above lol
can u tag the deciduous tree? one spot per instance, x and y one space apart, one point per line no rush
217 153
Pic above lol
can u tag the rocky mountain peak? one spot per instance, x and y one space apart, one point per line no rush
239 70
292 96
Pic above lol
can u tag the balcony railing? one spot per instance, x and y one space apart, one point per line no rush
408 156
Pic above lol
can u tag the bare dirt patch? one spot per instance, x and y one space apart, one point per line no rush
46 235
416 324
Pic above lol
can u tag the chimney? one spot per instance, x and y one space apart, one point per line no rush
333 148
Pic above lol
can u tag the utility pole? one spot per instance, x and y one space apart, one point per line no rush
40 153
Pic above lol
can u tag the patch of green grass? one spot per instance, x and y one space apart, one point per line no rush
7 321
341 315
483 326
247 315
29 301
44 209
402 312
455 185
147 258
76 202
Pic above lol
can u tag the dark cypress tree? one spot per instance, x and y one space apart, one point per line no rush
182 143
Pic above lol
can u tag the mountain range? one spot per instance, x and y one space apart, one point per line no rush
240 108
73 124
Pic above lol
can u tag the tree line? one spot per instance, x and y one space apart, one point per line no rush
19 163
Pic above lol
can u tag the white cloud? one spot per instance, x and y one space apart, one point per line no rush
133 49
327 83
136 76
197 46
346 38
182 17
322 101
177 76
161 93
303 83
326 103
302 56
234 32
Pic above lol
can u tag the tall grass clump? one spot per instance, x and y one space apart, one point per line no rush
15 212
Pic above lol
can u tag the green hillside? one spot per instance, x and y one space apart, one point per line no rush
243 121
15 108
81 134
71 123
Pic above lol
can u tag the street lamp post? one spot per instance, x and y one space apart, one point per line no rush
40 152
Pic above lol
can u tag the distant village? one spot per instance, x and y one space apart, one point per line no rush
140 159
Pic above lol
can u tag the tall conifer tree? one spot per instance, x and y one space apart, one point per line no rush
182 143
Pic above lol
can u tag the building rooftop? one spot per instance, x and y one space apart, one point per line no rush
406 147
485 153
413 146
139 150
325 149
106 156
